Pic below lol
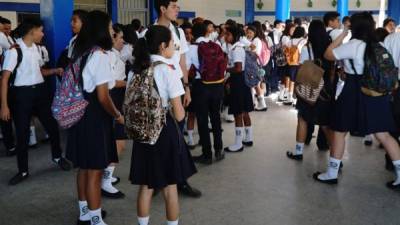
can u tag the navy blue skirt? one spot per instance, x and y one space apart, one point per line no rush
240 99
168 162
292 72
354 111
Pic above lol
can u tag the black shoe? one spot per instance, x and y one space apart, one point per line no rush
11 152
330 181
388 163
368 143
323 149
202 160
18 178
230 151
248 143
117 195
63 164
117 181
290 155
391 186
103 215
189 191
261 110
191 147
219 155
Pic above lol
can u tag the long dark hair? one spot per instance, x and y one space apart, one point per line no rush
130 35
236 33
318 38
288 27
363 28
150 45
259 31
93 33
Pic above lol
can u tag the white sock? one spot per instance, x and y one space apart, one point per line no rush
113 179
106 183
238 139
333 169
368 138
173 222
32 136
95 217
397 169
282 93
290 96
261 102
83 211
299 148
143 220
190 137
249 134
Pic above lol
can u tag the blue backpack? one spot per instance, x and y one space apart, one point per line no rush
253 72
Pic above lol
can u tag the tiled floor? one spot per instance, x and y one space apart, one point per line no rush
257 187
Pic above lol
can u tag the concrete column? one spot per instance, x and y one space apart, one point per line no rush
153 11
343 8
112 6
394 10
282 9
249 11
56 15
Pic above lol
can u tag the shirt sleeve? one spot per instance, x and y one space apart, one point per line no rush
174 84
239 55
100 69
335 34
10 60
345 51
257 42
184 45
304 55
4 41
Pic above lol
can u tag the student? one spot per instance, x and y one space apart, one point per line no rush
208 99
285 78
6 40
168 162
319 114
130 39
353 110
27 92
167 11
240 99
117 95
297 40
84 149
390 25
332 23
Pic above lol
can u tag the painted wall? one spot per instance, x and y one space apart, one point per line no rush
23 1
11 16
214 9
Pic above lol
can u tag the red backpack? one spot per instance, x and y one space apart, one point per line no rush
213 63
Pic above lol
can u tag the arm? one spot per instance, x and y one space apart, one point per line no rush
106 102
120 84
236 69
177 109
50 72
5 110
338 41
187 98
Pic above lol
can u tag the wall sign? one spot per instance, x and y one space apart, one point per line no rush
233 13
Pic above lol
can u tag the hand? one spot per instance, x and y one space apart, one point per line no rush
59 71
252 47
5 113
121 120
187 98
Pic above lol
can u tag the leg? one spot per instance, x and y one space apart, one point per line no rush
93 188
144 201
393 150
301 135
171 202
216 95
239 130
246 119
202 114
121 144
190 128
8 136
81 180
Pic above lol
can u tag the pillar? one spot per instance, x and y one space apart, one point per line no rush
282 9
249 11
112 6
343 8
56 15
394 10
153 11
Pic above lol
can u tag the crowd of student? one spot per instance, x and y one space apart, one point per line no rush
202 72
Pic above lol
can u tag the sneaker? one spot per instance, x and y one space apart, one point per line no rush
63 164
21 176
189 191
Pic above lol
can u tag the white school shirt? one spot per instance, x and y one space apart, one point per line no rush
97 71
4 42
71 46
236 54
44 55
126 53
28 72
168 84
277 34
257 42
305 54
334 33
244 41
354 49
300 42
117 65
392 44
181 47
286 41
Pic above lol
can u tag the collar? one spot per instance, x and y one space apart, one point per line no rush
155 58
22 44
237 44
202 39
329 29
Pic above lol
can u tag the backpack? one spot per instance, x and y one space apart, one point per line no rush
213 63
292 55
277 52
252 70
19 60
265 54
309 80
69 103
380 73
144 113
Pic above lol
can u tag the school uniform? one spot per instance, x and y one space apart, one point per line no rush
207 104
293 69
126 54
353 110
118 94
29 97
71 45
91 142
167 162
240 99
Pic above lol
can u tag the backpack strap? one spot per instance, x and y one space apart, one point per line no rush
19 60
353 67
177 32
154 65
